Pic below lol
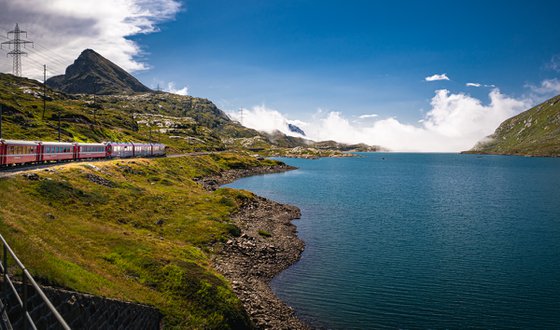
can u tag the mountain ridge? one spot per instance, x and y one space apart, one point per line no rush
92 73
534 132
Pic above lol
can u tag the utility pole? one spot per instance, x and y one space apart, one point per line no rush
58 125
94 103
17 41
44 90
150 127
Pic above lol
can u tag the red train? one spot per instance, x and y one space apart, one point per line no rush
16 152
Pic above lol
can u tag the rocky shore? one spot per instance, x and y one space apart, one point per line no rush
213 182
267 245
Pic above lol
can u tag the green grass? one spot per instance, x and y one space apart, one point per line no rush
535 132
146 237
264 233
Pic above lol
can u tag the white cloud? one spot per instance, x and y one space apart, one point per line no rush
437 77
554 63
547 87
470 84
454 123
266 120
62 29
172 89
373 115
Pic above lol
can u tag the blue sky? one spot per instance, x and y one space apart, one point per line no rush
353 71
356 57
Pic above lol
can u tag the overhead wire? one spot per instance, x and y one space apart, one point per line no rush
50 62
40 53
52 53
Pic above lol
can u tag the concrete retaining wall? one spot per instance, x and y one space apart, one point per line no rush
83 311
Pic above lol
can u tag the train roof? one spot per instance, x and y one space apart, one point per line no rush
57 143
90 144
20 142
135 143
120 143
31 143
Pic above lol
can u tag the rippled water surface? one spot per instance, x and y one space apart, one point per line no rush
422 240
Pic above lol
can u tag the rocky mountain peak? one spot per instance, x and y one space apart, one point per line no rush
92 73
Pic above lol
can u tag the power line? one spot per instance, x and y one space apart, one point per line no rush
17 52
57 65
52 53
47 57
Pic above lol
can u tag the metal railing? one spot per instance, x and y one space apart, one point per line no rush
27 279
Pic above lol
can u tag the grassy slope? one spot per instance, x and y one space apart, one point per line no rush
112 118
144 235
535 132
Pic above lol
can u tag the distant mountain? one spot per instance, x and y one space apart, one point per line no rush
535 132
295 129
91 73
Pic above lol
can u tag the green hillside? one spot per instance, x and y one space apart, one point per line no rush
140 230
184 123
535 132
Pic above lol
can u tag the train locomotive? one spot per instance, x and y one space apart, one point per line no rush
19 152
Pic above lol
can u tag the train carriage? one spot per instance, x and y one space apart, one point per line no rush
120 149
18 152
158 149
90 150
15 152
57 151
142 149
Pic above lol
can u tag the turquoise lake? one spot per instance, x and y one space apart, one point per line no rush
396 240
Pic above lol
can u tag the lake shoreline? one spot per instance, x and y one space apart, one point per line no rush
268 244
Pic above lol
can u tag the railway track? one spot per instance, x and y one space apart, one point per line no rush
14 170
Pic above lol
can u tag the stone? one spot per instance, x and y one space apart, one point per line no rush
32 176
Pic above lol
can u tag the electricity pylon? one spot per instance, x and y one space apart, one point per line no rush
17 41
